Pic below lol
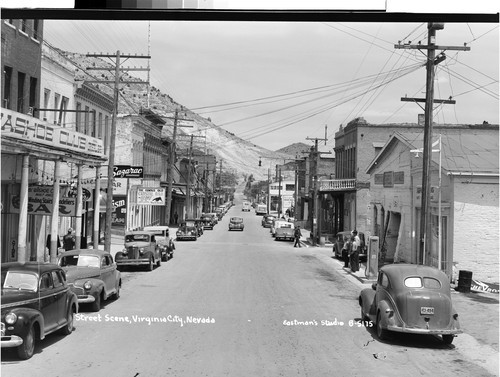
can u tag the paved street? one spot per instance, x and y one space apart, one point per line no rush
240 304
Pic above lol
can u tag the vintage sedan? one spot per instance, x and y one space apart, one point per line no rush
285 232
236 223
163 239
197 223
207 221
91 275
412 299
36 301
187 232
140 249
267 220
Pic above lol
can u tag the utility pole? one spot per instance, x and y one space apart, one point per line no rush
112 138
189 211
316 219
425 244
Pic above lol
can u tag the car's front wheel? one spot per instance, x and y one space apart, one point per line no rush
27 349
96 305
381 332
150 265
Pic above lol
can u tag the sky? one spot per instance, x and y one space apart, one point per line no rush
279 83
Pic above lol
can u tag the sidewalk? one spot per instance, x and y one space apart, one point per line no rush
478 311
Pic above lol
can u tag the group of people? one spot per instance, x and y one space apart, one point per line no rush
350 251
69 241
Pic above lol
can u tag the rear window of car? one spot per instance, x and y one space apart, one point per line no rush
236 220
426 282
432 283
413 282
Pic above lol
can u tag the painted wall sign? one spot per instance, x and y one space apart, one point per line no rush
40 202
127 171
27 128
151 196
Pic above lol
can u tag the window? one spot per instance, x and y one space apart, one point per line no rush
78 119
384 280
24 25
99 127
57 99
33 91
58 282
7 86
46 101
36 26
21 78
289 187
45 281
62 113
86 122
413 282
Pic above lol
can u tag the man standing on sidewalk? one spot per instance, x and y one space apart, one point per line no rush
297 234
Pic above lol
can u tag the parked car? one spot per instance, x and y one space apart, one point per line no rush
197 223
207 221
236 223
340 240
412 299
267 220
246 206
277 222
285 232
163 239
215 218
36 301
261 209
140 249
187 232
92 275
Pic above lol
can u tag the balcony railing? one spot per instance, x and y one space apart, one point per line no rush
337 184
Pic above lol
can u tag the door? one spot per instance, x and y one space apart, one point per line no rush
48 302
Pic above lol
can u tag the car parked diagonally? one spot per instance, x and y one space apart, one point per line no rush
413 299
36 301
92 275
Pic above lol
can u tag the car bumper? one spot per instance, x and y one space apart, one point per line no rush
131 262
181 238
10 341
412 330
85 299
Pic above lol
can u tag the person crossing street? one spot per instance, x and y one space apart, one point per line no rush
297 234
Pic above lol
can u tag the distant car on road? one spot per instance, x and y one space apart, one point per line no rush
413 299
261 209
236 223
140 249
285 232
197 223
207 221
92 275
187 232
246 207
36 301
163 239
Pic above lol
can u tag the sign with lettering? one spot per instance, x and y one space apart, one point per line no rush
151 196
119 210
127 171
26 128
40 202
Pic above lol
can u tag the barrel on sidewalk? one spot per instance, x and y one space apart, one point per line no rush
464 281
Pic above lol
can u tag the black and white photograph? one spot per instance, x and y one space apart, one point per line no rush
249 188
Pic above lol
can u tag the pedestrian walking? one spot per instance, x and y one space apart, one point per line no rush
346 251
176 217
354 258
69 240
297 234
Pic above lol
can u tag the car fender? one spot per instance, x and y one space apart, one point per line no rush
97 286
72 300
367 301
27 317
388 314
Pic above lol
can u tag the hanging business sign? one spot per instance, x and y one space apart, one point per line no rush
127 171
119 213
40 202
26 128
151 196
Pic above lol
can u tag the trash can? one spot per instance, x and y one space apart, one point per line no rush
464 281
322 241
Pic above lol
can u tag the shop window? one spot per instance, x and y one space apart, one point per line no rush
21 78
33 92
7 87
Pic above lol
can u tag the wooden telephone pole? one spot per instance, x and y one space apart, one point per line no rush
316 219
112 138
424 252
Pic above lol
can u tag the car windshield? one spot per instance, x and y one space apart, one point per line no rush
21 280
80 261
137 237
236 220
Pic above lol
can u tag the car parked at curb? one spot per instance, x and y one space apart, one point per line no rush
197 223
36 301
267 220
413 299
140 249
285 232
163 239
236 223
92 275
207 221
186 232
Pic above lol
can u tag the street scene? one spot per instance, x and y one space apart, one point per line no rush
285 195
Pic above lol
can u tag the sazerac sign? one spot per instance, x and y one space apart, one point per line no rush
151 196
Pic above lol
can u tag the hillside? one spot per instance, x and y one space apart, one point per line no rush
295 149
236 154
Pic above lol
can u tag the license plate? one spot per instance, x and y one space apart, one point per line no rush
426 310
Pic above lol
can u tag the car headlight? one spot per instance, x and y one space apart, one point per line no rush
11 318
141 250
124 251
87 285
